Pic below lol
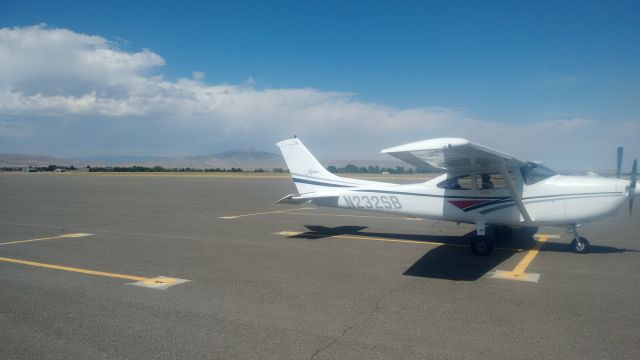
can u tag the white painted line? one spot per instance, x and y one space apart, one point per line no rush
74 235
264 213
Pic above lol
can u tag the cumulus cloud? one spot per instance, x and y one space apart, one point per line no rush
67 93
197 75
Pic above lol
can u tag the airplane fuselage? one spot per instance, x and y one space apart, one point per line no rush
481 185
558 200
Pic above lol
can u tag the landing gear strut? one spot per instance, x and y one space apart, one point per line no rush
481 244
579 244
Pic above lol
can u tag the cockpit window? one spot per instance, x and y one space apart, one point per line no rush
533 173
494 181
456 183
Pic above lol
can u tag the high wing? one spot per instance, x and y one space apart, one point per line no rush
460 157
453 155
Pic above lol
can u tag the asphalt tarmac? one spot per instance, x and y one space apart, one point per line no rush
284 282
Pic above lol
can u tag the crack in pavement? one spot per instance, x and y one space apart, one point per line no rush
334 341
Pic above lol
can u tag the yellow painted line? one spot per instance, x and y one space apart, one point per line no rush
72 269
531 254
160 282
402 241
75 235
264 213
519 271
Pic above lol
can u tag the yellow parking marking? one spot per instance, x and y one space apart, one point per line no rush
519 272
264 213
75 235
160 282
369 238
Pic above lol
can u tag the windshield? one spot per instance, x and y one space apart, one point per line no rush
533 173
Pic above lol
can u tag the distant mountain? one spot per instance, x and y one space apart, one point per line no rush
383 163
115 159
239 158
23 160
246 159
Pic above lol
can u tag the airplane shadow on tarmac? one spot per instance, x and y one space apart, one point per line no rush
453 260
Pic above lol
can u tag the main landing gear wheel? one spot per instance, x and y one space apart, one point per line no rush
481 245
580 245
502 233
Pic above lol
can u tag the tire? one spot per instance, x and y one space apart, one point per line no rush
481 245
583 248
502 233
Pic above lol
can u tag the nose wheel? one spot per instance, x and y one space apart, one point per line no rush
579 244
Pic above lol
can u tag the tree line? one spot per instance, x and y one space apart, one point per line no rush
353 169
348 169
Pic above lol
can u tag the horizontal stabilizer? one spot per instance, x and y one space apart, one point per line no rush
292 199
320 199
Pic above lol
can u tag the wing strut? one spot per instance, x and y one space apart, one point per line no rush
514 192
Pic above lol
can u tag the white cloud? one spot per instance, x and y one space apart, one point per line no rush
197 75
60 84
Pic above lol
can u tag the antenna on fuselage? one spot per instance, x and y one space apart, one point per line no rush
632 184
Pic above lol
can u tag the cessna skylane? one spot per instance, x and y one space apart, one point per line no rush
480 186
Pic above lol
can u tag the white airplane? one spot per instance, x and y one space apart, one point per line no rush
481 186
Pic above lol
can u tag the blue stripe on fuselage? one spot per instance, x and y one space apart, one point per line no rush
319 183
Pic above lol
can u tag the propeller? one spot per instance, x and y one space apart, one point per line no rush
619 168
632 184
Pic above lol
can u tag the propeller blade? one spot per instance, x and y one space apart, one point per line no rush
619 168
632 184
634 174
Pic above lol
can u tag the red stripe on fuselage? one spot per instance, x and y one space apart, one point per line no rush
463 204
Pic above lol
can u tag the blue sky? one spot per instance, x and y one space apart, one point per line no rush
505 63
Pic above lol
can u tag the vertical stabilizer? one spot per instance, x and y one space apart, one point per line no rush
300 161
307 172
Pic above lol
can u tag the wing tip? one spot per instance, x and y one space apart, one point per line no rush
293 140
429 144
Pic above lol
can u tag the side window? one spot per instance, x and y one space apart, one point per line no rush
457 183
494 181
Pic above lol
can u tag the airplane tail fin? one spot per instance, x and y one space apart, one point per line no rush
307 172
